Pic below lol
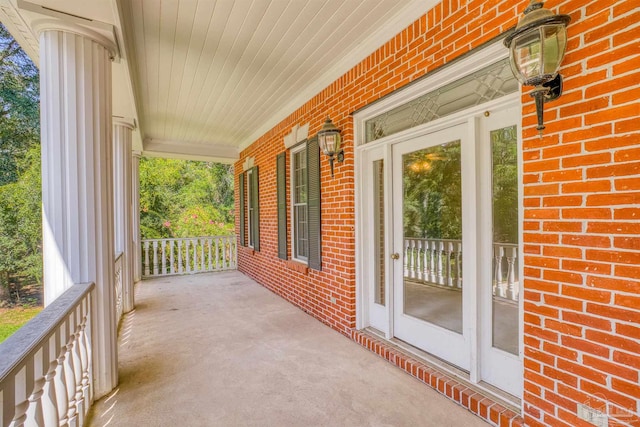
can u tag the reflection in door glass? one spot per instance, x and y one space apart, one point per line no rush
505 286
378 231
432 219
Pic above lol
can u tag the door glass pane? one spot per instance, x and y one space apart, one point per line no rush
378 231
432 220
506 282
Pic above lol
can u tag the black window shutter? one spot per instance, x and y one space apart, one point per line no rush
243 237
256 209
313 203
281 183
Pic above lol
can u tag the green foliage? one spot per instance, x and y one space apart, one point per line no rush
181 198
432 190
21 222
432 193
505 185
20 188
19 106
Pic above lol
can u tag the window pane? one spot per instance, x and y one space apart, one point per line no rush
432 219
378 231
301 231
300 177
505 287
482 86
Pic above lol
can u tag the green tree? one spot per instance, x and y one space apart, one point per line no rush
20 224
180 198
19 106
20 189
432 192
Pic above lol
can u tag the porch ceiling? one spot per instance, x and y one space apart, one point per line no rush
205 78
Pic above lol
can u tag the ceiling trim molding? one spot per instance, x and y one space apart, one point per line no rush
185 150
412 11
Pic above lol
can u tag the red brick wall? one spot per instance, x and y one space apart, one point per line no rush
582 194
582 221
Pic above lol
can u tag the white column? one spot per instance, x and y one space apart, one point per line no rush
77 192
135 215
122 204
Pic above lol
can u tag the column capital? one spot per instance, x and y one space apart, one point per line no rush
136 154
124 122
43 25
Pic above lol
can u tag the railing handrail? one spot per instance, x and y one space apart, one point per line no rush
434 239
168 239
26 340
118 256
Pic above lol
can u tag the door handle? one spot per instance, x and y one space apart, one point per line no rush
395 256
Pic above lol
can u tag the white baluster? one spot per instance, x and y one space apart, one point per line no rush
439 266
155 258
70 378
60 381
449 253
209 249
496 270
459 264
20 398
424 261
417 259
224 253
194 246
50 415
179 256
164 256
511 274
77 370
146 258
235 252
172 268
187 262
202 260
217 252
84 364
88 348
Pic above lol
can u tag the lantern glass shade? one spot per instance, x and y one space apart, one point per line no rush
329 142
536 54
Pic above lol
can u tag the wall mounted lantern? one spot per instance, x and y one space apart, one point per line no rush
536 48
329 140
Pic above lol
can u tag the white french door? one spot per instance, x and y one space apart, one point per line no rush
440 266
499 252
429 300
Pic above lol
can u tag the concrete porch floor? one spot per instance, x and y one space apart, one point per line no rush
220 350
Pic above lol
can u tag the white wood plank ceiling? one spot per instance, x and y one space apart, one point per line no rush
205 78
221 73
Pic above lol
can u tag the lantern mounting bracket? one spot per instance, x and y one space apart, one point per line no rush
555 88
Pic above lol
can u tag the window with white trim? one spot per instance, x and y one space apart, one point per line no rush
299 214
250 209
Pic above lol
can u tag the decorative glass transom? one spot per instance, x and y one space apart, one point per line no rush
490 83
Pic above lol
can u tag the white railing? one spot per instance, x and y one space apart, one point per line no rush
439 262
45 366
119 287
163 257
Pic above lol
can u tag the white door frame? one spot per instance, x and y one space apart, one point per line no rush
452 73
